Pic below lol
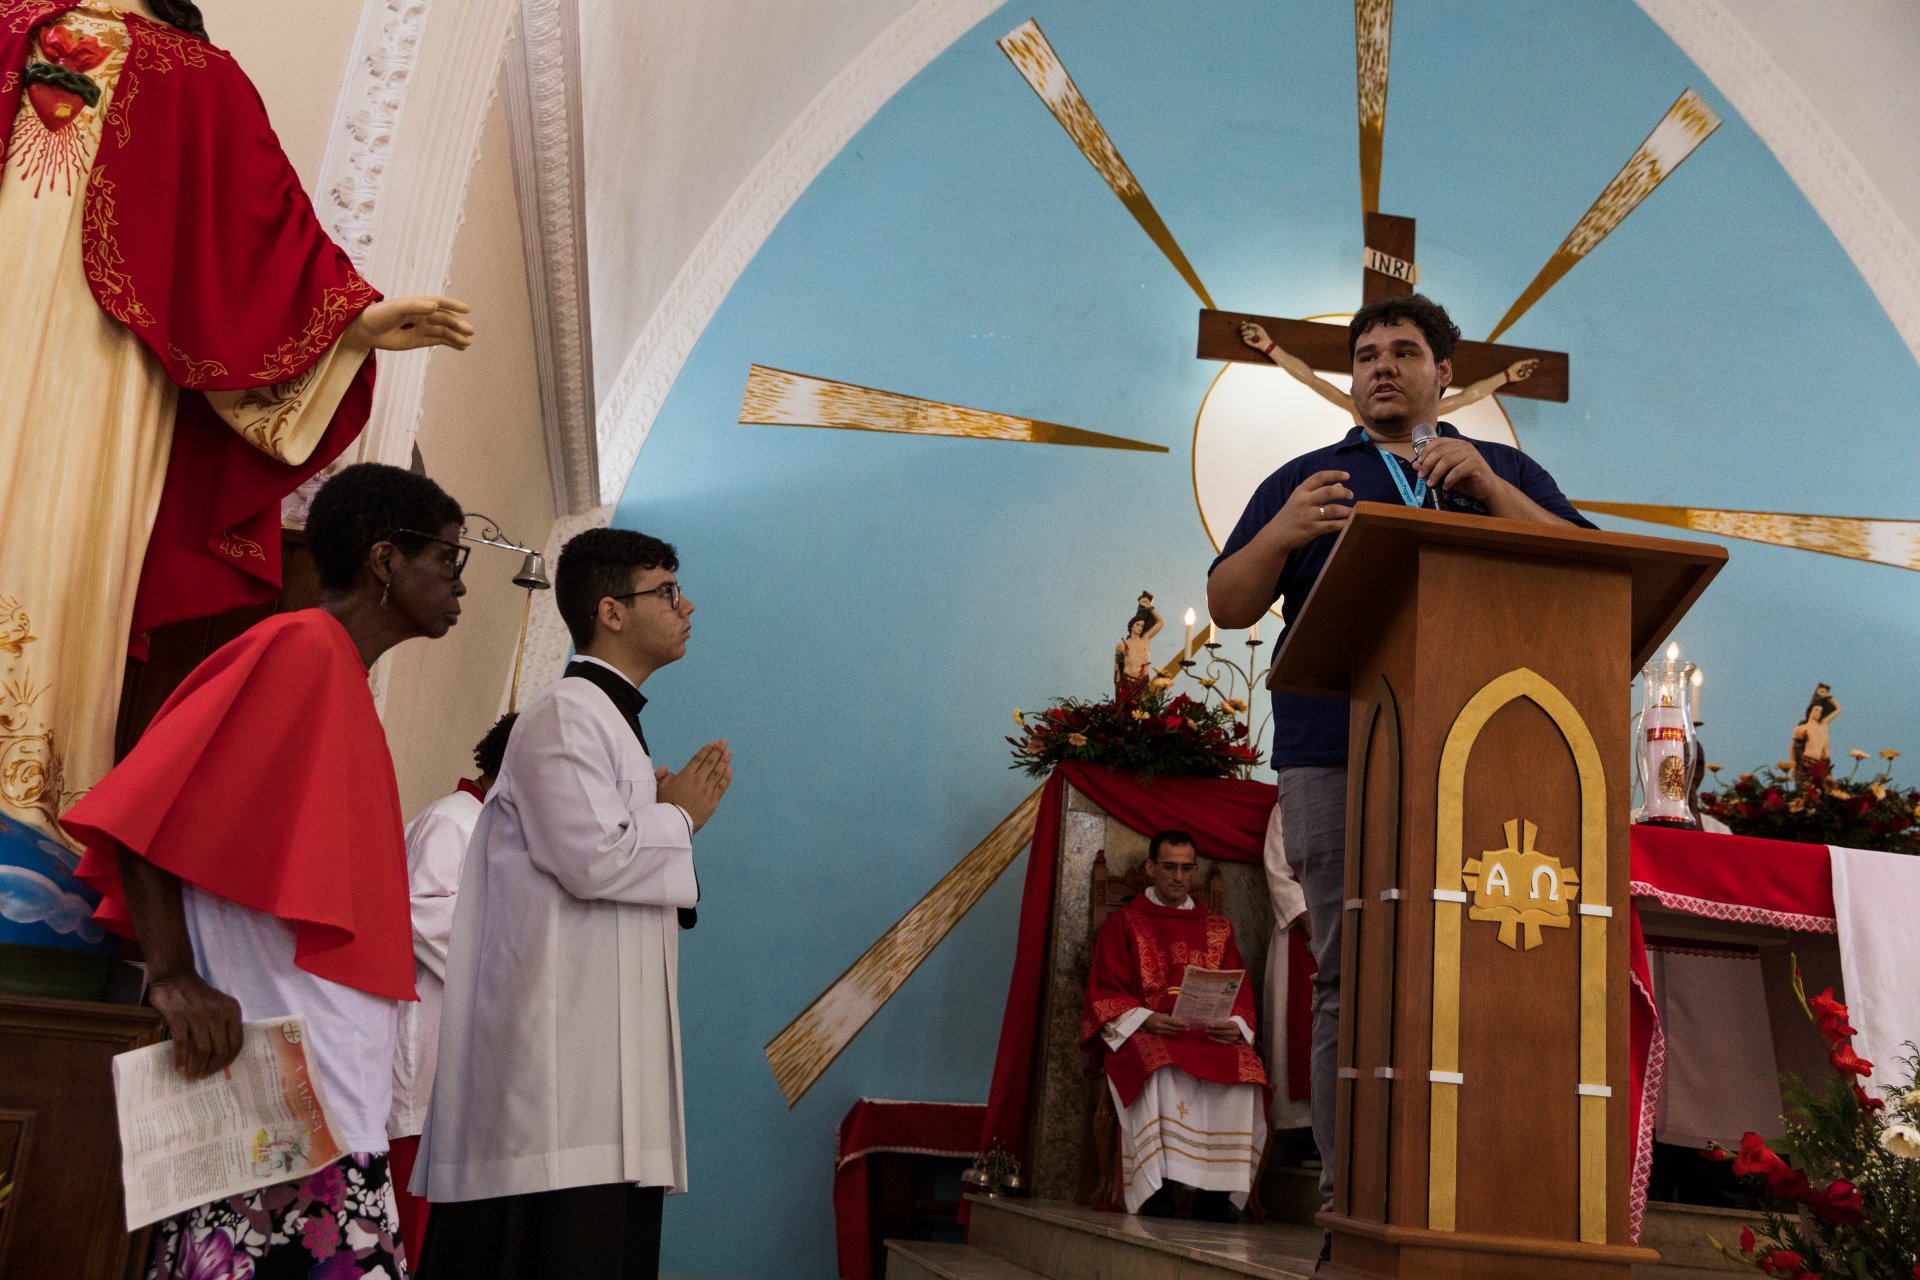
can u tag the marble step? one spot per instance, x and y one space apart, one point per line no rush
1680 1231
920 1260
1064 1241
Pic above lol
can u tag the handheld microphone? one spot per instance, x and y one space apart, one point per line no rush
1439 499
1423 435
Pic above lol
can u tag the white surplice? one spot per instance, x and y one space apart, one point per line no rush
560 1033
436 851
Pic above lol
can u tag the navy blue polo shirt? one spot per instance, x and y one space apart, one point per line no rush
1312 730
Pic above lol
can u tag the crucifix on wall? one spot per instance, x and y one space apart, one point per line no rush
1387 269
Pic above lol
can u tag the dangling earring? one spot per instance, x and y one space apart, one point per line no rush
385 591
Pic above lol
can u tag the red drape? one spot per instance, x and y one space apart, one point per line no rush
872 1126
1227 817
1722 877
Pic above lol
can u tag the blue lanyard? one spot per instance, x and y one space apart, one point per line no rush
1414 495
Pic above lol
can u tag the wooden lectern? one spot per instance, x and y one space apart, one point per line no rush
1482 1102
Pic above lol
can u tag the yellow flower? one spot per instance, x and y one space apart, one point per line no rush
1019 718
1889 754
1234 705
1138 714
1207 682
1857 753
1796 805
1879 792
1160 682
1713 768
1077 739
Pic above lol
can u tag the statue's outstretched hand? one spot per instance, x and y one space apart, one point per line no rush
406 324
1253 335
1521 370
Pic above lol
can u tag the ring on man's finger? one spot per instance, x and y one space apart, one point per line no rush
1322 511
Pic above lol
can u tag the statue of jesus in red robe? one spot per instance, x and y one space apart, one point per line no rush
184 346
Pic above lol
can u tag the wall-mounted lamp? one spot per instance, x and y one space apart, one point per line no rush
532 577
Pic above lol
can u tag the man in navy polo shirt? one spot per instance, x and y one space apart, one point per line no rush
1402 349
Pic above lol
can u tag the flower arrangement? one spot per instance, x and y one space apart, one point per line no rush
1141 730
1841 1195
1813 805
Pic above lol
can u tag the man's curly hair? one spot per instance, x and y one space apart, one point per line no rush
492 749
1417 309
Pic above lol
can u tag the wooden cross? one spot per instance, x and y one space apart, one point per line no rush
1388 269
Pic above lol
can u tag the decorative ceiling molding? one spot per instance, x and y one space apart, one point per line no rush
549 179
806 148
1814 156
548 646
393 183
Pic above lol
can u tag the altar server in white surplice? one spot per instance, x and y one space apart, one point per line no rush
556 1123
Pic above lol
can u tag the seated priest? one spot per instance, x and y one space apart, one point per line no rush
1191 1100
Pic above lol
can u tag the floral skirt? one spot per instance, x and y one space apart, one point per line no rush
336 1224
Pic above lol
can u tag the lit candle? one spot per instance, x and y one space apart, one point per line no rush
1699 696
1188 651
1673 653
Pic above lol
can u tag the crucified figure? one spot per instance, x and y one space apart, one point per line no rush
1256 337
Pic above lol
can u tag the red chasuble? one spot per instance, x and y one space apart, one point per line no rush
199 238
265 779
1139 958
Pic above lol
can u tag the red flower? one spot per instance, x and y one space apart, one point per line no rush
1832 1017
1783 1262
1756 1160
1773 801
1867 1102
1746 1240
1845 1060
1712 1151
1839 1204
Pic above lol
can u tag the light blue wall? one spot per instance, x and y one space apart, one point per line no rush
870 607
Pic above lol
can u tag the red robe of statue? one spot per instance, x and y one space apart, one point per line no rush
199 238
1139 958
265 779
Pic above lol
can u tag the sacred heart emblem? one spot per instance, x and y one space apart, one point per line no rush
1519 888
56 105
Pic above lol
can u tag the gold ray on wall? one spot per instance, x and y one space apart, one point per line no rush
1035 59
800 1054
1686 125
776 397
1372 43
1888 542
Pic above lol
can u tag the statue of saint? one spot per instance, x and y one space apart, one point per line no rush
184 345
1133 656
1810 736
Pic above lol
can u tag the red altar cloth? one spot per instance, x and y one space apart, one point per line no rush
1721 877
1227 817
873 1126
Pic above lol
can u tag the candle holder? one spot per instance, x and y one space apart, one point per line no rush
1663 741
1232 685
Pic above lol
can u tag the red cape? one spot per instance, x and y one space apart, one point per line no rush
199 238
1139 959
265 779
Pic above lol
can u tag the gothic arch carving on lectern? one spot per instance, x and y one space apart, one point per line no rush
1381 715
1449 908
